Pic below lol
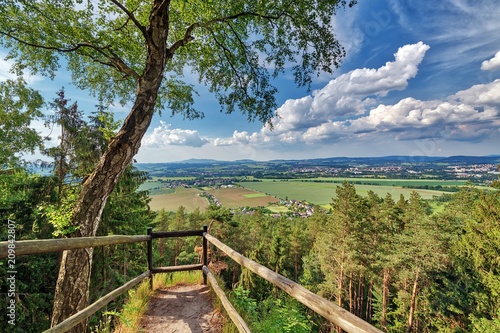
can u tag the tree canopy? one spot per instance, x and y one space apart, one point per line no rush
233 47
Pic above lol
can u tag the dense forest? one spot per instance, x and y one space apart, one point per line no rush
387 260
391 261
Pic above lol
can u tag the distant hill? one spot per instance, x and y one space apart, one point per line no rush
332 161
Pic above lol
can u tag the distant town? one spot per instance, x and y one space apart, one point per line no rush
481 170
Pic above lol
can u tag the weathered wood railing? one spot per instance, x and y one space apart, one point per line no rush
332 312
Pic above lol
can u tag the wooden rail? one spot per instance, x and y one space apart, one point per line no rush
39 246
32 247
77 318
231 311
332 312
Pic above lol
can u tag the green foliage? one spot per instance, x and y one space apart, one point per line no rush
59 214
243 303
278 316
19 106
222 42
484 325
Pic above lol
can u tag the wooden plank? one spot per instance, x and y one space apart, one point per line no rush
183 233
205 253
40 246
332 312
231 311
96 306
181 268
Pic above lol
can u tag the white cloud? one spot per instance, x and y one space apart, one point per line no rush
163 135
480 95
5 74
491 64
428 118
346 95
340 112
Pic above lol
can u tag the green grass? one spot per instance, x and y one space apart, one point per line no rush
321 193
254 195
391 182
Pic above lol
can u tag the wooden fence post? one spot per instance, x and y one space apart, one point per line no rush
205 253
150 257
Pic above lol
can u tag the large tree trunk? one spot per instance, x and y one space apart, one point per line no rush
72 289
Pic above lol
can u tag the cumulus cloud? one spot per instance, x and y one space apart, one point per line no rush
492 64
163 135
347 95
346 110
414 119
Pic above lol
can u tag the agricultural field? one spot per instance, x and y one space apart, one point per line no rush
322 193
241 197
188 197
390 182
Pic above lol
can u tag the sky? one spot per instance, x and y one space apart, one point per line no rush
419 78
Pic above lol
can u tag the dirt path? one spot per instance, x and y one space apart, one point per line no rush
182 309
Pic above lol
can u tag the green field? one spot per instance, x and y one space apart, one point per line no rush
322 193
187 197
389 182
190 198
241 197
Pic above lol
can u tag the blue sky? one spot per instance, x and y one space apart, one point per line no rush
420 78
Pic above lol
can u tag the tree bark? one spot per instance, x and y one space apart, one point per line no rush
385 296
72 288
368 308
351 301
413 303
340 288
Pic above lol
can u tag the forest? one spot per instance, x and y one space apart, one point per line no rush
388 260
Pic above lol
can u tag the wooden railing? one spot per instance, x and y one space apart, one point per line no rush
332 312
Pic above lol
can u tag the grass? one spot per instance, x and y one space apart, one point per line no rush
187 197
242 197
321 193
129 319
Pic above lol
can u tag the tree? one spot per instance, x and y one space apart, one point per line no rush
19 105
69 118
136 51
337 243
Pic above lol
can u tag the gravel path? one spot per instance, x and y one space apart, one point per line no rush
182 309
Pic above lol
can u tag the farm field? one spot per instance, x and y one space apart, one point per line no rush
187 197
241 197
389 182
190 199
322 193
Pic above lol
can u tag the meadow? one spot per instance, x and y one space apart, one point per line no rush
318 191
190 198
242 197
321 193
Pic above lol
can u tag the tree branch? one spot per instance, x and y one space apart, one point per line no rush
115 61
132 17
188 34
